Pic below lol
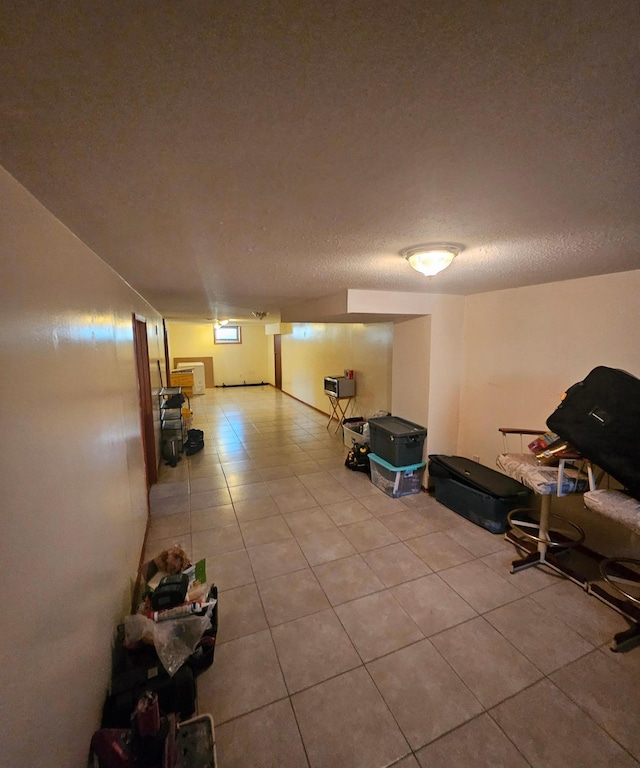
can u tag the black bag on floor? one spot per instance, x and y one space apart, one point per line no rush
481 494
142 671
358 458
194 441
600 417
202 657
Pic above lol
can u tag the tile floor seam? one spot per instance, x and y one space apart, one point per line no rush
580 655
413 750
506 735
467 722
291 694
239 716
587 714
547 678
390 711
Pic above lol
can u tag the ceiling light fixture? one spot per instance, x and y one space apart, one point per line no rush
432 258
260 314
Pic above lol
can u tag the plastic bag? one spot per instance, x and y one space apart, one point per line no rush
174 640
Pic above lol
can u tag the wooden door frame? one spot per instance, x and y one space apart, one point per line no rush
277 359
143 372
167 367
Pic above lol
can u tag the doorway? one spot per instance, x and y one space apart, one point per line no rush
141 351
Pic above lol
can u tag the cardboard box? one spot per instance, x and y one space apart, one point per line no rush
183 379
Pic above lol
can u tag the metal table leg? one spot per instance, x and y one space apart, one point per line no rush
541 538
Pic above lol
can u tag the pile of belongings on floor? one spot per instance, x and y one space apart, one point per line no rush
160 650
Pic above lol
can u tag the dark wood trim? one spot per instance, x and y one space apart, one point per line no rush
277 355
141 352
304 402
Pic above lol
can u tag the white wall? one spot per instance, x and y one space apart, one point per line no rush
445 378
427 371
411 370
74 503
523 348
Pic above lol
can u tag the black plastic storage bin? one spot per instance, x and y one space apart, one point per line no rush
398 441
481 494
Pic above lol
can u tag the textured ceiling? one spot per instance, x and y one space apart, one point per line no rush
231 156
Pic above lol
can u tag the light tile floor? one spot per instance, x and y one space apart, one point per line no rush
360 631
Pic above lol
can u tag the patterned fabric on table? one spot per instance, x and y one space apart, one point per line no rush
616 506
525 468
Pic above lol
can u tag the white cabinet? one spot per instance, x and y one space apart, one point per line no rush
198 375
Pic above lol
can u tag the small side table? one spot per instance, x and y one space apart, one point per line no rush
338 410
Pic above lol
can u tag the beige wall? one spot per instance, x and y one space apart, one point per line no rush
189 340
445 374
524 347
74 505
427 371
315 350
248 362
411 370
309 353
73 490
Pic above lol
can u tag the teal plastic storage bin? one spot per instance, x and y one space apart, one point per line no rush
396 481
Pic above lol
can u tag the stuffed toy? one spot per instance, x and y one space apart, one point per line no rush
172 560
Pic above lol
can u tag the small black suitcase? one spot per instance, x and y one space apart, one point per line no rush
600 417
481 494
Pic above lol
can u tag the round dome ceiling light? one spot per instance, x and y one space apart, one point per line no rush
432 258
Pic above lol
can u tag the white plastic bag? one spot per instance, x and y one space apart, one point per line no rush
174 640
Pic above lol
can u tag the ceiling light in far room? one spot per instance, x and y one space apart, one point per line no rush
431 259
220 323
260 314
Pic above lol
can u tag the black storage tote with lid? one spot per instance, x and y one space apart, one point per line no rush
481 494
398 441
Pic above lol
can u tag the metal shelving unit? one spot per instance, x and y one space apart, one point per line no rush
172 424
